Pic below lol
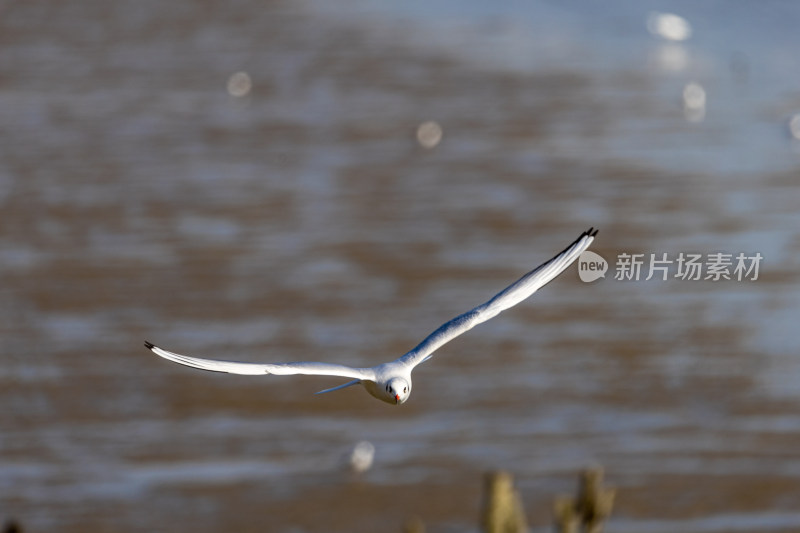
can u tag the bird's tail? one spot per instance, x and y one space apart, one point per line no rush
348 384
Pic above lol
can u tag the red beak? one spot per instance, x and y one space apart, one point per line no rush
397 397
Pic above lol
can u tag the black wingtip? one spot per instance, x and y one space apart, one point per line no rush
593 232
149 345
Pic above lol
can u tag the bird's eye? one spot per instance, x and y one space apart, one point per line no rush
405 389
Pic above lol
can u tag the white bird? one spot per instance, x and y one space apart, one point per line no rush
391 382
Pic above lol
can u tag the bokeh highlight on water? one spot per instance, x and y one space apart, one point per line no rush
249 181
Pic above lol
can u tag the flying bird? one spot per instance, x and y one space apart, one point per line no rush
391 382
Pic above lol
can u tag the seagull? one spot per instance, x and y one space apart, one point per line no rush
391 382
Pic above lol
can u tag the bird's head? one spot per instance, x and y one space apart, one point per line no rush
398 389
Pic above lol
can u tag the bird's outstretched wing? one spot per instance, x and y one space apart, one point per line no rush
508 297
315 369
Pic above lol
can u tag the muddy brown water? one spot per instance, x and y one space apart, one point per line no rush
303 221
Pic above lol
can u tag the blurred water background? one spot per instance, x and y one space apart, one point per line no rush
289 212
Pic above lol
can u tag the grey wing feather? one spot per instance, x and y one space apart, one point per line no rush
508 297
340 387
316 369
